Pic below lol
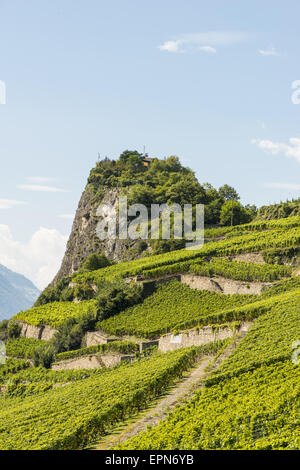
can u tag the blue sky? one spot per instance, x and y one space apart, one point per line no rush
207 81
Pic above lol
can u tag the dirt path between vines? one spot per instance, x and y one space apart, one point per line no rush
179 392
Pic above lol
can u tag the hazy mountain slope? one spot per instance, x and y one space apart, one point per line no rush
16 293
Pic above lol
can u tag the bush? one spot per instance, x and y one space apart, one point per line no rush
93 262
14 329
44 356
3 330
4 325
70 334
115 296
53 294
84 292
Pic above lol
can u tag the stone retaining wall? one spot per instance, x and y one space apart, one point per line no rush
93 338
223 285
255 258
37 332
198 337
92 361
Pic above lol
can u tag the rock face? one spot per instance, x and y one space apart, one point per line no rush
84 241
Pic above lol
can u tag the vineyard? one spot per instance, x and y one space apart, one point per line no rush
69 417
122 347
172 305
257 410
55 313
269 340
22 347
250 401
286 223
237 270
249 242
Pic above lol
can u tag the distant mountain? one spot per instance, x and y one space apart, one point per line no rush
16 293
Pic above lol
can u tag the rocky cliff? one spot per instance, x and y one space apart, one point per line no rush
143 180
84 241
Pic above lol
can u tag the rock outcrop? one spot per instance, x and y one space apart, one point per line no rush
84 241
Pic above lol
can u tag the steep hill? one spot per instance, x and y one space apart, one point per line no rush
16 293
111 340
161 181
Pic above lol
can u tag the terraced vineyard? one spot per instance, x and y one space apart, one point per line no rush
71 416
249 402
249 242
55 313
171 306
256 410
221 267
22 347
122 347
269 340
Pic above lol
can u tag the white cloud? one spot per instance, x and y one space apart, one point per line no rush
269 52
209 49
10 203
170 46
291 150
39 259
41 188
66 216
288 186
202 41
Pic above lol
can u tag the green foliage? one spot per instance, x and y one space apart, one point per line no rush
70 417
123 347
55 313
233 211
177 307
3 329
257 410
228 193
4 325
269 340
172 306
44 356
70 333
93 262
22 347
26 390
116 295
37 375
254 239
279 255
238 270
278 211
12 366
13 329
165 181
54 294
83 292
